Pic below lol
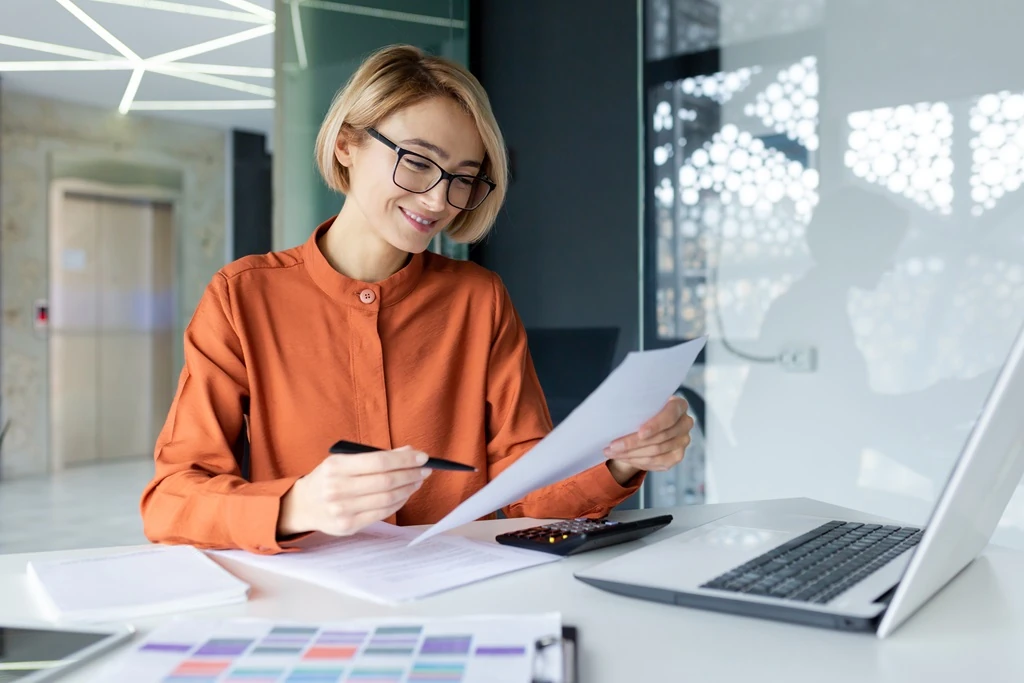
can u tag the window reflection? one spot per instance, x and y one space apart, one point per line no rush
998 148
906 149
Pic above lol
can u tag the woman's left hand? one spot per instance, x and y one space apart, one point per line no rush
659 444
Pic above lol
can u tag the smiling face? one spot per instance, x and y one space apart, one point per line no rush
439 130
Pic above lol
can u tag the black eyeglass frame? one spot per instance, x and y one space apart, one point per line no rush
445 175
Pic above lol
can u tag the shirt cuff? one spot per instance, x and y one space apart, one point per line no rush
254 517
602 488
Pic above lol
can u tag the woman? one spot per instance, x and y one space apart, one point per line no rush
361 334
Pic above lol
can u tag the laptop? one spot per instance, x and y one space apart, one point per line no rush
838 573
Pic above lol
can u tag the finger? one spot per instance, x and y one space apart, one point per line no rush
633 441
670 414
366 484
378 461
356 505
364 519
659 463
678 443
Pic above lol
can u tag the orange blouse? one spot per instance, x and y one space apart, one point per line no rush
434 357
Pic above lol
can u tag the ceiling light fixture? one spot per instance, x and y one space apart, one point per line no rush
129 92
219 69
166 63
230 84
181 8
170 68
54 49
111 39
250 7
211 45
95 27
57 65
201 105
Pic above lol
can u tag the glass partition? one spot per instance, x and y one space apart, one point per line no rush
320 43
832 195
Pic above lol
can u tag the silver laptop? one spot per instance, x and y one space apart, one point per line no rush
837 573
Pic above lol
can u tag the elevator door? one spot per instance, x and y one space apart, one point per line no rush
112 271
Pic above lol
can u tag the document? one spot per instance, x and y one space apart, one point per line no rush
478 649
125 585
632 394
376 564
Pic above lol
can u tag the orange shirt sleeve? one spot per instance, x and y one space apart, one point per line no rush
518 418
197 495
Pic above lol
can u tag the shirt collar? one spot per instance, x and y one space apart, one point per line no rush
350 292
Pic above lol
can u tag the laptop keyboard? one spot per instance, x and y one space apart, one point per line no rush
820 564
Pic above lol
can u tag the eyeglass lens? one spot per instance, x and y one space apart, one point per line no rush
418 174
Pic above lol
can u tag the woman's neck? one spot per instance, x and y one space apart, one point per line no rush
355 250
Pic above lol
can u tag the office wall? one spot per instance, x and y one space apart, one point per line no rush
562 78
892 246
39 136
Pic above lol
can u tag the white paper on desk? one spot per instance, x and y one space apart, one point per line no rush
377 564
632 394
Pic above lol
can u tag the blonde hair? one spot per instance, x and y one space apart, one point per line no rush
399 76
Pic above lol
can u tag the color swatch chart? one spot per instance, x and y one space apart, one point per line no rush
491 649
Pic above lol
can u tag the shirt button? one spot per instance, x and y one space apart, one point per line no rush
367 296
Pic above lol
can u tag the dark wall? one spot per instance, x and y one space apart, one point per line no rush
562 78
253 209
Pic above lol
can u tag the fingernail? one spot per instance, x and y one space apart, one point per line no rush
424 473
421 458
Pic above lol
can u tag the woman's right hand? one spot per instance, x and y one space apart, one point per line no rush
346 493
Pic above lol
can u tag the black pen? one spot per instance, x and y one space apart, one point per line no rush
350 447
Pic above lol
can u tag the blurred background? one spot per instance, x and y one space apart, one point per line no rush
827 190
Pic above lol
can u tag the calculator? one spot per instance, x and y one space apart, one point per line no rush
574 536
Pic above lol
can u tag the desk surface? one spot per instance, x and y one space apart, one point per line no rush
972 630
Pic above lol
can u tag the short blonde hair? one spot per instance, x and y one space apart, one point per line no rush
399 76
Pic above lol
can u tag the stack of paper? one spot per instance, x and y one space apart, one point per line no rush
377 563
123 586
477 649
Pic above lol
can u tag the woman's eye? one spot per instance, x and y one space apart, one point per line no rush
415 165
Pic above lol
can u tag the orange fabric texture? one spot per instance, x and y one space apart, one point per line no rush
434 357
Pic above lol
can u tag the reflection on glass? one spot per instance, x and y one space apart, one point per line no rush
997 148
679 27
906 149
819 184
739 192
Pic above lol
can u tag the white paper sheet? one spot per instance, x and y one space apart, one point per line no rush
477 649
377 564
632 394
124 585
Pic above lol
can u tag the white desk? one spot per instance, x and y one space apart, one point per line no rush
973 630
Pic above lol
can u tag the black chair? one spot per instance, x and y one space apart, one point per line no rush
571 362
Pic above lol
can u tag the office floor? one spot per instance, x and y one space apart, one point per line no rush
94 505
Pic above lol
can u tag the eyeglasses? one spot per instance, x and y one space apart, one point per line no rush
418 174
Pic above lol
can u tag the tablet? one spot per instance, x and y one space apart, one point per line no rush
42 652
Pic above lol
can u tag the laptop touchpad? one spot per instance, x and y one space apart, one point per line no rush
741 538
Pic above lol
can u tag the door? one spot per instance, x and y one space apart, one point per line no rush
111 326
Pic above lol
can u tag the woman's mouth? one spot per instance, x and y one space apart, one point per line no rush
421 223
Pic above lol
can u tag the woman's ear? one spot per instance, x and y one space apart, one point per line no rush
343 147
